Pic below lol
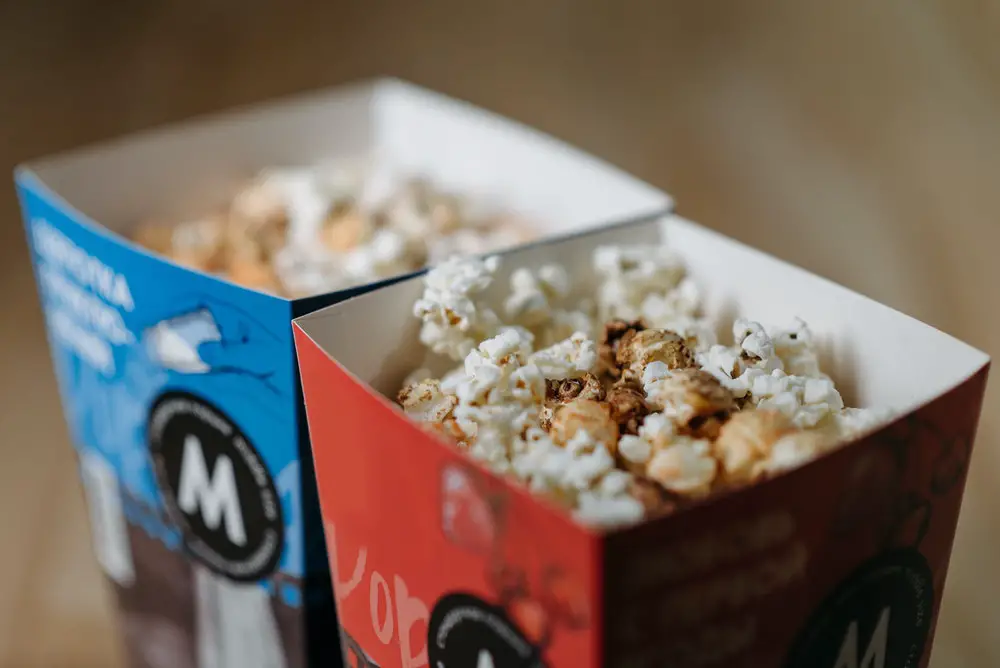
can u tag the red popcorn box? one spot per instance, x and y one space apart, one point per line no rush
841 561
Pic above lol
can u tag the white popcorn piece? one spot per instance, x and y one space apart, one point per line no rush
451 380
570 358
527 384
635 449
630 273
306 269
757 347
655 433
614 483
727 366
534 294
602 512
425 402
490 369
453 322
686 467
851 423
794 346
304 204
805 401
683 301
792 451
387 254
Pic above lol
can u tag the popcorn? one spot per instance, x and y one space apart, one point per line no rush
792 451
631 273
425 402
628 407
653 415
747 439
692 398
584 416
638 349
533 295
302 231
795 348
756 346
850 423
570 358
685 467
453 322
603 511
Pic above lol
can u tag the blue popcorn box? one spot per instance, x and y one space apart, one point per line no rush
180 388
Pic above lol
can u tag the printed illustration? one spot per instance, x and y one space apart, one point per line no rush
529 605
130 336
879 616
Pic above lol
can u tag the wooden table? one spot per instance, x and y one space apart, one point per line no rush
859 139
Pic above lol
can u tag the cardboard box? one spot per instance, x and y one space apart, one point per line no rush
839 563
181 390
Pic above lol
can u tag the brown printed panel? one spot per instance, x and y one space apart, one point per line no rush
840 564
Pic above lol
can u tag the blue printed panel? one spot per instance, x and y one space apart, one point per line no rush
127 329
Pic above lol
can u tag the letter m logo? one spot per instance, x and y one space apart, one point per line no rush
213 496
875 652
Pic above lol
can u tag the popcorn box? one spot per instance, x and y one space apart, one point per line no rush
181 389
842 562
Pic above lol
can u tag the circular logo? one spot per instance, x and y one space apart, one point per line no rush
215 487
879 616
466 632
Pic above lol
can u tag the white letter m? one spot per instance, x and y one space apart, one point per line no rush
874 656
215 496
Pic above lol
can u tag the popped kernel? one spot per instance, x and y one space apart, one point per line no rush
534 294
756 346
631 273
746 439
562 390
794 345
603 511
792 451
425 402
628 407
614 332
637 349
685 467
584 415
453 321
693 398
571 358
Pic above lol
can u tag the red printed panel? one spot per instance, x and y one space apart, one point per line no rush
436 562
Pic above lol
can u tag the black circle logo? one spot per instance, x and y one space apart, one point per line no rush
466 632
879 616
215 487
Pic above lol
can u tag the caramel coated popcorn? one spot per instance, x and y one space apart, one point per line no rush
635 410
303 231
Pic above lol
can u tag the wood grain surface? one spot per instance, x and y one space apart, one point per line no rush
859 139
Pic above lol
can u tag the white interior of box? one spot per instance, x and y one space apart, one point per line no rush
187 169
878 356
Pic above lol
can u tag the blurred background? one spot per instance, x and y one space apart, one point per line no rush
859 139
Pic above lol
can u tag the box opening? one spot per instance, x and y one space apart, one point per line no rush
878 356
